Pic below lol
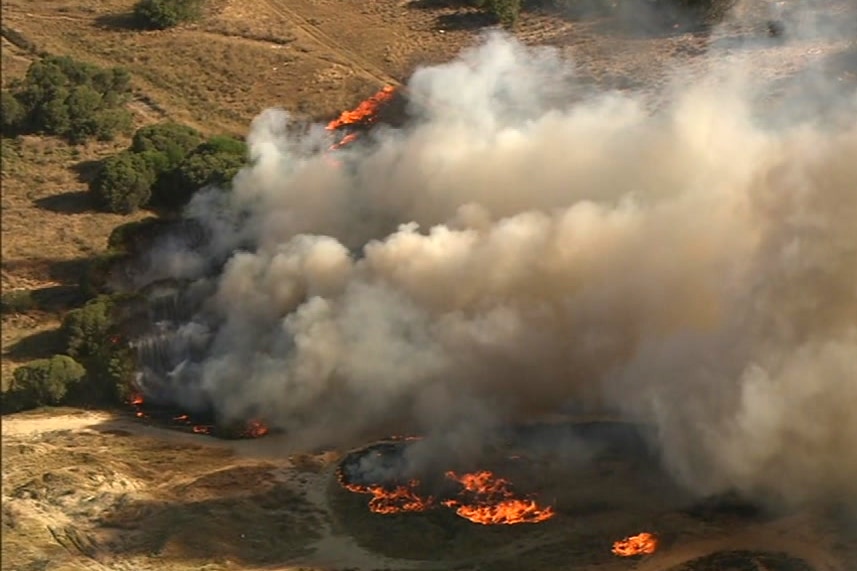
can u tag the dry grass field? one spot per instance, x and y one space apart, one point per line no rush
86 490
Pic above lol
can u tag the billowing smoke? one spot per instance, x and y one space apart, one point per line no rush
690 264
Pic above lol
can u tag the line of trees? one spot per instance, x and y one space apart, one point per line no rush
67 98
165 164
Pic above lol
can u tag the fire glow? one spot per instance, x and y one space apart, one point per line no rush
641 544
484 499
491 502
252 428
366 113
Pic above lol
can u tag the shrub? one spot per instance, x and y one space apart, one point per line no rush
506 11
123 182
43 382
174 140
215 162
72 99
12 113
163 14
17 301
85 329
94 279
131 236
92 336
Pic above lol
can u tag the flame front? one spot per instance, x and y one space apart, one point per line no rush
641 544
364 113
491 502
390 501
252 429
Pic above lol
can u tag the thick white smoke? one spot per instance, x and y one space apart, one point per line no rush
693 266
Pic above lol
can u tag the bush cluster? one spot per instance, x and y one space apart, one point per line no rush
163 14
92 337
506 11
97 367
68 98
164 166
43 382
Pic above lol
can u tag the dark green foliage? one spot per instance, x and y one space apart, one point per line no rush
92 336
164 166
214 162
174 140
12 113
85 329
123 182
17 301
72 99
96 276
163 14
506 11
44 382
133 236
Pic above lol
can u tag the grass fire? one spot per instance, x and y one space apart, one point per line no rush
641 544
338 285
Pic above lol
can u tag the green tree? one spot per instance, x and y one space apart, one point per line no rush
92 336
163 14
506 11
123 182
174 140
12 113
85 329
73 99
43 382
215 162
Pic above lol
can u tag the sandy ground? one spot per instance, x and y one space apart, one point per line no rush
90 490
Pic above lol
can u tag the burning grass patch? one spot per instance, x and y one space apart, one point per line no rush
430 535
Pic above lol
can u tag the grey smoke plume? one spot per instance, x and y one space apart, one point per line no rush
693 266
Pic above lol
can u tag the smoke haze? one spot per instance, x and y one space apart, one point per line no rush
691 264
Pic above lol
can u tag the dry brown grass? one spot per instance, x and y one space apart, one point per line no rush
76 497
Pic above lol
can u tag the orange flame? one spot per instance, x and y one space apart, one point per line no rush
390 501
493 503
366 112
641 544
255 429
349 138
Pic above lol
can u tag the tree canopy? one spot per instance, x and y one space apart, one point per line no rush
68 98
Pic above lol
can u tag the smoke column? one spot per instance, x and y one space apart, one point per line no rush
691 264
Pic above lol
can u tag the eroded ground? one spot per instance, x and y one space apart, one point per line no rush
84 490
